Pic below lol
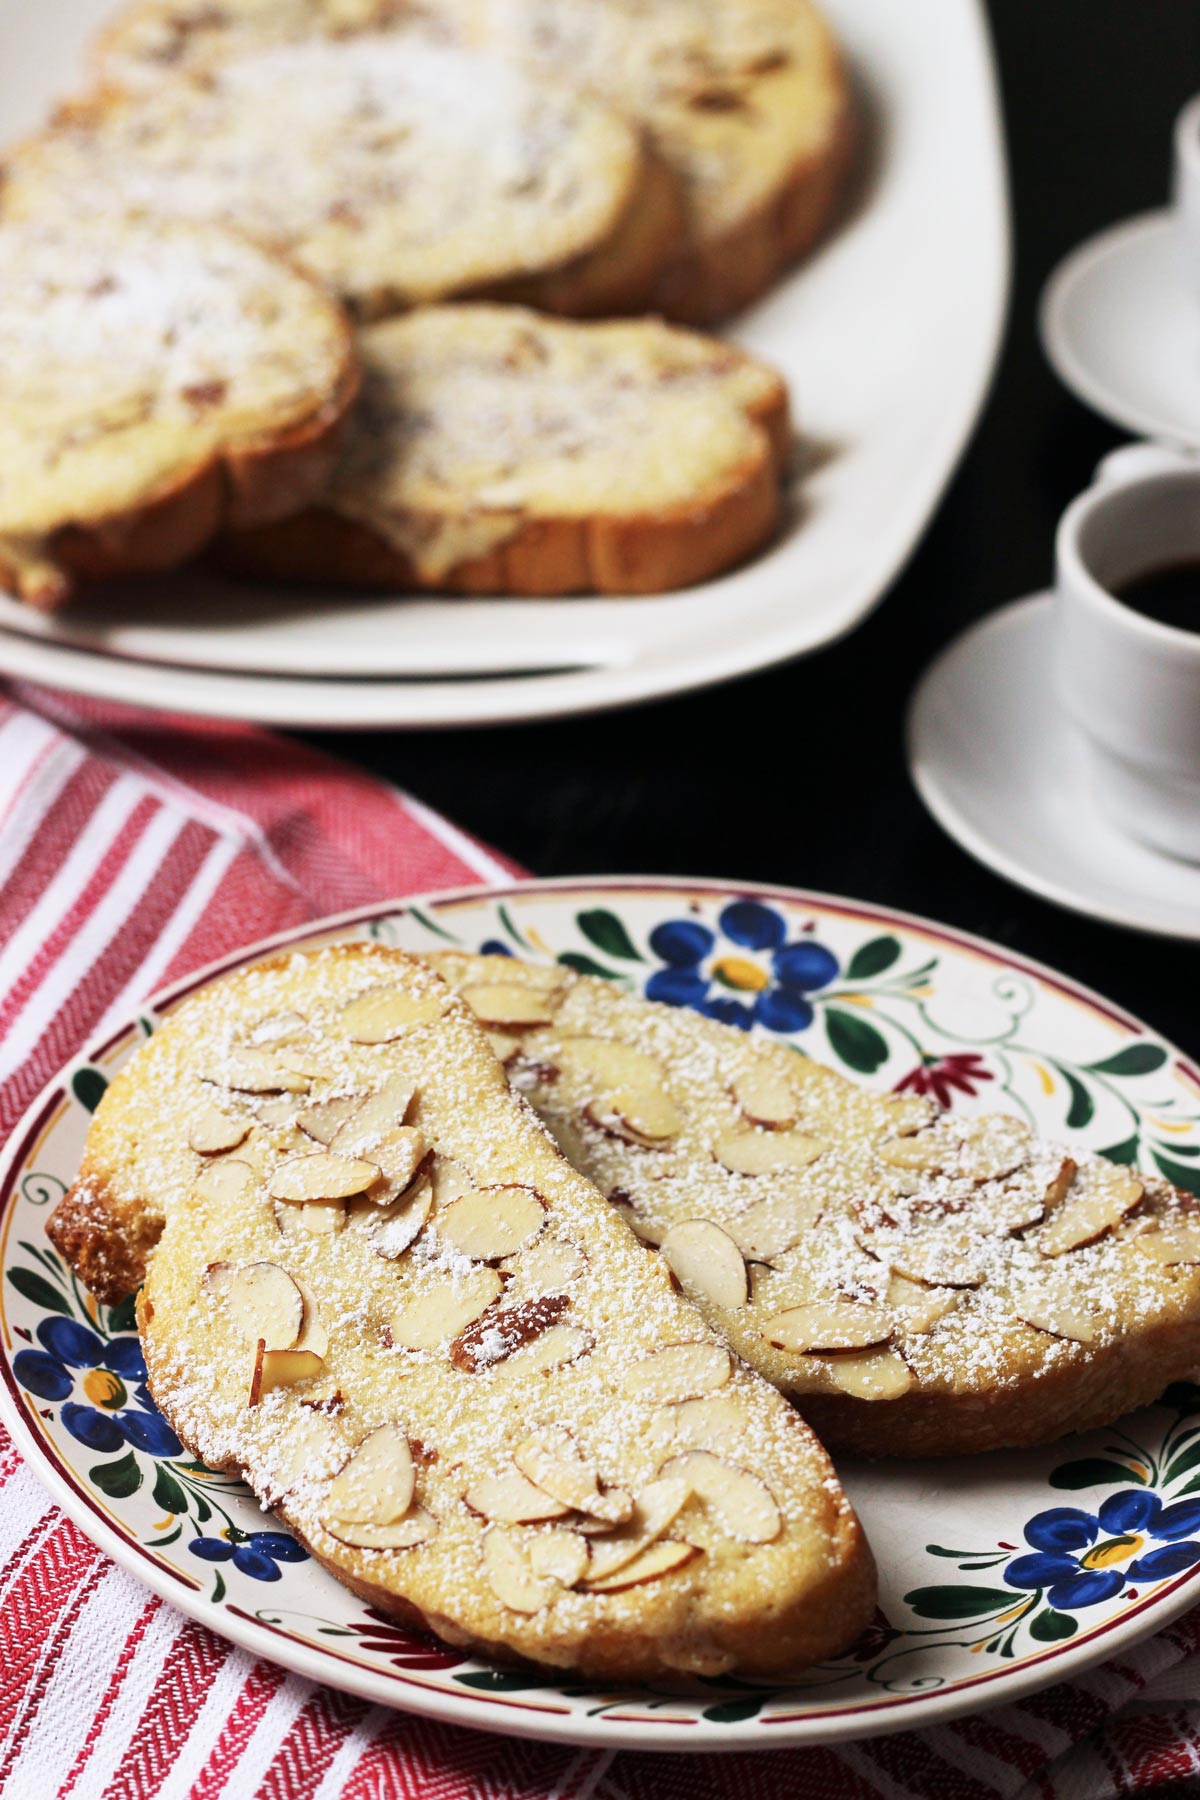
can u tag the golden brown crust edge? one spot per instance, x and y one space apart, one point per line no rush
106 1241
712 281
257 484
647 553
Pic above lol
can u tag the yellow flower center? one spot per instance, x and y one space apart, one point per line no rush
1113 1550
738 972
103 1388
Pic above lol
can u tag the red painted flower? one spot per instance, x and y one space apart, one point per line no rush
942 1076
407 1649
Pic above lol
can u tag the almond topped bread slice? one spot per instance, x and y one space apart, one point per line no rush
920 1284
748 102
160 382
394 169
496 450
373 1286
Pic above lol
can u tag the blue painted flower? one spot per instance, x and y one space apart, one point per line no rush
258 1555
1082 1558
111 1375
745 973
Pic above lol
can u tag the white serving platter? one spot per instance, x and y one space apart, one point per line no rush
887 336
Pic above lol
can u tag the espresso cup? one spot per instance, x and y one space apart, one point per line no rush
1129 684
1186 191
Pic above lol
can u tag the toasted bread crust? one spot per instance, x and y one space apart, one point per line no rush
623 546
236 489
767 1601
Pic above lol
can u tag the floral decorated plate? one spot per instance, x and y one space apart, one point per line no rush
998 1574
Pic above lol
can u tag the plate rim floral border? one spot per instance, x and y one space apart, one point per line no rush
522 1716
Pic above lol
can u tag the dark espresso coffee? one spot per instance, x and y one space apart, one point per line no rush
1170 594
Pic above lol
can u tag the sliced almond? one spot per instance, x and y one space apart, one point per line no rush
653 1513
278 1028
448 1180
311 1218
445 1310
302 1061
992 1147
920 1308
416 1527
1171 1244
375 1485
647 1229
908 1112
744 1505
677 1372
1016 1208
766 1152
281 1368
323 1121
505 1047
373 1118
272 1109
399 1155
926 1154
935 1261
509 1005
492 1222
263 1300
829 1326
382 1014
313 1335
771 1227
1057 1317
706 1262
660 1559
716 1422
215 1132
1060 1185
1099 1199
510 1498
391 1229
552 1460
553 1349
873 1375
223 1183
320 1175
510 1574
501 1331
643 1114
608 1063
560 1556
766 1098
546 1266
250 1071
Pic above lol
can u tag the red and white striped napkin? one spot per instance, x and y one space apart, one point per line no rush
132 850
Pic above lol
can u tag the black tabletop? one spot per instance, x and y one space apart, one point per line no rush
797 775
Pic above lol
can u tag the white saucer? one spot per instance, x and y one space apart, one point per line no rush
1001 771
1122 329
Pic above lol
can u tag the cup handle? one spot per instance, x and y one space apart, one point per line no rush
1132 461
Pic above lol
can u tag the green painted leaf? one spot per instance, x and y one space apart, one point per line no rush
175 1532
35 1287
872 958
203 1509
499 1681
584 965
1092 1471
959 1602
89 1087
855 1041
1082 1105
1181 1176
123 1317
218 1593
1135 1059
1050 1627
167 1492
606 931
1124 1153
1188 1458
730 1712
118 1479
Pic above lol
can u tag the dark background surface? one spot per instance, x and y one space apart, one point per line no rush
797 776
